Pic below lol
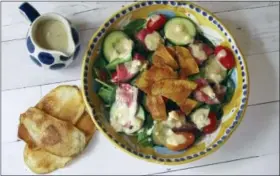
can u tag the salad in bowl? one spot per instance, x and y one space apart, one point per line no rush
163 84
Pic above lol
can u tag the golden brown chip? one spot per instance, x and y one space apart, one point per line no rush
143 82
188 105
24 135
53 135
147 78
172 51
160 73
86 125
186 61
64 102
156 106
164 57
176 90
42 162
158 61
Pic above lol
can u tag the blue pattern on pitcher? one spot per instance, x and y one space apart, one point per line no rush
51 59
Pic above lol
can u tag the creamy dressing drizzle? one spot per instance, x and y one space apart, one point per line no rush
124 119
200 118
164 130
214 71
121 49
198 52
152 41
52 35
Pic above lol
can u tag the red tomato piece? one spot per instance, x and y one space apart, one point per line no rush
213 124
121 74
115 78
190 138
201 82
156 22
226 60
142 34
202 97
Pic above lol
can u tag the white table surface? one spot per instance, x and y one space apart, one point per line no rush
252 149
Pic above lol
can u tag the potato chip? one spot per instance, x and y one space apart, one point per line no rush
186 61
156 106
176 90
164 57
188 105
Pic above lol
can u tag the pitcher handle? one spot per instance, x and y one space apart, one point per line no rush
29 11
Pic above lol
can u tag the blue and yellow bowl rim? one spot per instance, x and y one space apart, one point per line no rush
245 84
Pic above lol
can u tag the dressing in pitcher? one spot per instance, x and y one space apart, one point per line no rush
52 35
52 41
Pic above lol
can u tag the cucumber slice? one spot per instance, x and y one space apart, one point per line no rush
157 136
214 72
140 112
113 64
180 30
117 47
118 117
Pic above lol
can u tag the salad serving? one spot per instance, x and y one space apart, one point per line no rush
163 82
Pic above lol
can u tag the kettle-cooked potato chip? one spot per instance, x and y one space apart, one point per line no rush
64 102
42 162
53 135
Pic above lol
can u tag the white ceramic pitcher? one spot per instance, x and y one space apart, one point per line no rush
52 41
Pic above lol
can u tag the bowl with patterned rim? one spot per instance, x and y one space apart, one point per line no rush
215 31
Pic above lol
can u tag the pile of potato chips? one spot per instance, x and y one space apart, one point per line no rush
167 78
56 130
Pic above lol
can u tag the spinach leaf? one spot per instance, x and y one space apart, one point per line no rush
161 33
167 43
149 122
171 105
134 26
140 48
107 95
100 62
230 91
199 36
100 65
144 138
106 92
218 109
229 72
196 76
150 58
108 86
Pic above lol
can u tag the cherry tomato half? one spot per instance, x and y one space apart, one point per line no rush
213 124
121 74
142 34
228 60
190 138
156 22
